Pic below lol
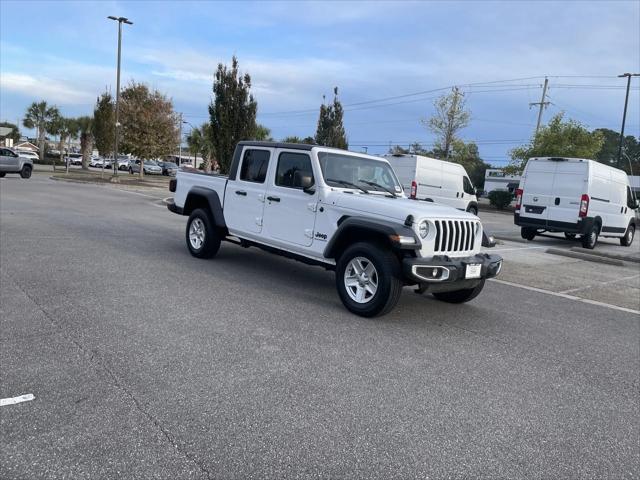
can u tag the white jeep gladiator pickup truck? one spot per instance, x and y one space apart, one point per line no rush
341 210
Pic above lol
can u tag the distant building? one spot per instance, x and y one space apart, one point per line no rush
26 146
496 179
5 140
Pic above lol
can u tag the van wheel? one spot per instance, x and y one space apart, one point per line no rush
569 236
460 296
368 279
2 174
26 171
203 239
528 233
472 209
591 238
628 236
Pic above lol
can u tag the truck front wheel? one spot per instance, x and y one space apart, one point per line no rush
460 296
203 239
26 171
368 279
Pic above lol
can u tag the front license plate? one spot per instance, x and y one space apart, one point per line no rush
473 271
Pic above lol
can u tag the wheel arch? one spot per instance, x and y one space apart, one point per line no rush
200 197
359 229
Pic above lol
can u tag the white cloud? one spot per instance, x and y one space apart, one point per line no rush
44 87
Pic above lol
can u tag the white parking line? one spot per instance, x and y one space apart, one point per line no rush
600 284
568 297
12 401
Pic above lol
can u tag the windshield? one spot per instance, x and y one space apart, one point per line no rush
150 163
170 165
340 170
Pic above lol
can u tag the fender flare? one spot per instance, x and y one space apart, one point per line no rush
351 226
472 203
212 199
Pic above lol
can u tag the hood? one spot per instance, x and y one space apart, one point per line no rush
398 208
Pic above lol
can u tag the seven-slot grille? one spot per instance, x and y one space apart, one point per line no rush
455 235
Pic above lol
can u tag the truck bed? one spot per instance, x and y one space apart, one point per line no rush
187 179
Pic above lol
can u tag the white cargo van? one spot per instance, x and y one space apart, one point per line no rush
577 197
434 180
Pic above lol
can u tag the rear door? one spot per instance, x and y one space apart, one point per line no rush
570 182
429 180
245 196
538 190
290 213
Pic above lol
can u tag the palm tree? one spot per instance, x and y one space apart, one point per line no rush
195 141
41 117
85 127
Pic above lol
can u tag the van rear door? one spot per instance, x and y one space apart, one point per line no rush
538 191
570 182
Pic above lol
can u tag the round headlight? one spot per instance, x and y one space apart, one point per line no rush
423 229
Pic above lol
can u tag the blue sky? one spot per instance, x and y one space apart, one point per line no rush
296 52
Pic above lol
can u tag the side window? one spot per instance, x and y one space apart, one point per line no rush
254 166
3 152
467 187
631 203
294 170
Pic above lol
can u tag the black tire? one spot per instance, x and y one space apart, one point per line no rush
460 296
26 171
569 236
473 209
590 239
387 273
2 174
528 233
210 240
627 240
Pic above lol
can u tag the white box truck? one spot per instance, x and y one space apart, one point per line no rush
434 180
577 197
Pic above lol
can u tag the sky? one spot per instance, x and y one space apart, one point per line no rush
390 61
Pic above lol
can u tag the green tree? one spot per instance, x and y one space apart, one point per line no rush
232 112
609 152
330 131
450 116
296 139
196 143
468 155
263 133
15 131
104 124
66 129
85 129
148 123
41 116
558 138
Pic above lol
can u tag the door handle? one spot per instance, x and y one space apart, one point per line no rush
273 199
557 201
241 192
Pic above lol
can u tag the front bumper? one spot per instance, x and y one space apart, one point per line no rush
442 269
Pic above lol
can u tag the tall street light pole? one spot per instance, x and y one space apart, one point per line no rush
624 115
120 21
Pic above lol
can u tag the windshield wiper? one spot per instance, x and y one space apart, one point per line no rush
374 184
348 184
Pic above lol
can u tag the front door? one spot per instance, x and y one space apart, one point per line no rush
290 212
244 196
8 160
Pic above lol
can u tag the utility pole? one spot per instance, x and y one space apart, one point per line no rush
624 114
120 21
180 146
542 103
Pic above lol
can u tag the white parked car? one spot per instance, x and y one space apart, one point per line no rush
578 197
343 211
433 180
31 155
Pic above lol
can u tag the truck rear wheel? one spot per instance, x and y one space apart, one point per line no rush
460 296
528 233
590 239
368 279
203 239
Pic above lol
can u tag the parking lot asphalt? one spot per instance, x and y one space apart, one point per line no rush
148 363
